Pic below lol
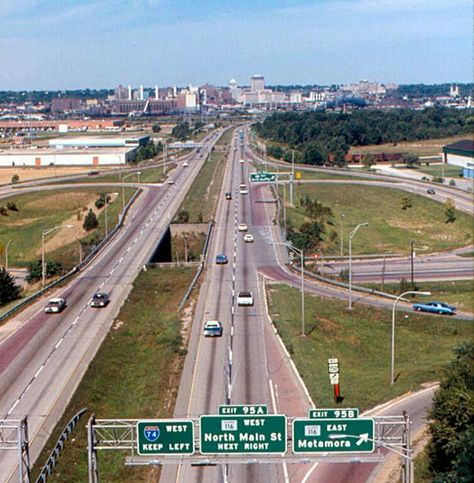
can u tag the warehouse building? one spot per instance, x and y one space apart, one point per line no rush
83 151
461 153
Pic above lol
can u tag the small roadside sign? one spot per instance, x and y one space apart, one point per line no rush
243 409
327 413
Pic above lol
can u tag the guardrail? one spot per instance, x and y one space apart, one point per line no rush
48 468
200 268
78 267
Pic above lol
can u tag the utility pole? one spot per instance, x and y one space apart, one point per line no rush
412 265
186 248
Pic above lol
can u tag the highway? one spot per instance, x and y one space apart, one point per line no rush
43 357
433 267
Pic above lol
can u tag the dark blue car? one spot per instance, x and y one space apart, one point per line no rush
221 259
436 308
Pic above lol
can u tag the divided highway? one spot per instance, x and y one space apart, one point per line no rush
43 357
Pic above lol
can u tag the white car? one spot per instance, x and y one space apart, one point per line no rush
242 161
55 305
244 191
245 299
242 227
185 164
248 238
171 181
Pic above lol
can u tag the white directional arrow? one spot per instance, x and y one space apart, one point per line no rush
363 438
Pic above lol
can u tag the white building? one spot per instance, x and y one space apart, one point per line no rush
257 83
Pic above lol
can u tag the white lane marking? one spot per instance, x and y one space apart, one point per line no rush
38 372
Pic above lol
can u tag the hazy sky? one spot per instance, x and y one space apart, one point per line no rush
56 44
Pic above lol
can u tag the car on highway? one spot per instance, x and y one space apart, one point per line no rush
212 328
55 305
235 148
245 299
242 227
185 164
228 195
221 259
100 300
248 238
435 308
431 191
241 160
244 191
171 181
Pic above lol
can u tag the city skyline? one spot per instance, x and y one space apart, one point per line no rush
103 43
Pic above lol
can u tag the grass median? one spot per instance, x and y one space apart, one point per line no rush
360 339
201 201
134 375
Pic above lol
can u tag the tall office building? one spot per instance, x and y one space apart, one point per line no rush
257 83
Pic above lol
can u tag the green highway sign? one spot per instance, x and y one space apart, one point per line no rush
243 434
165 436
262 177
243 409
333 435
321 413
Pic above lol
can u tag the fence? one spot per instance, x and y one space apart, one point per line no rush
48 468
78 267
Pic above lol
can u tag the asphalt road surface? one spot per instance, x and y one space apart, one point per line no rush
43 357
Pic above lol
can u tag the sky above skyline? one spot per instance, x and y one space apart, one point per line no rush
57 44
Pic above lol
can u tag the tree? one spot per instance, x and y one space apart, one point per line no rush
451 449
181 131
368 161
309 235
406 202
411 160
11 206
450 210
183 216
313 155
35 272
15 179
90 221
156 128
9 291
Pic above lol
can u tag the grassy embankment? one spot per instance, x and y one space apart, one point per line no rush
134 375
390 227
457 293
426 147
448 171
360 339
43 210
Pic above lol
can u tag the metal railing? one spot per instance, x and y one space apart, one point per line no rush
48 468
88 259
200 268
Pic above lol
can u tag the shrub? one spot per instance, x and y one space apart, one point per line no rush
452 182
11 206
15 179
9 291
90 221
183 216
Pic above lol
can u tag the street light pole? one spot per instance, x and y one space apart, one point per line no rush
342 235
292 176
43 264
351 236
6 254
392 352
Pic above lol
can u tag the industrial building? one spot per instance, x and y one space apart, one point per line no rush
461 153
84 151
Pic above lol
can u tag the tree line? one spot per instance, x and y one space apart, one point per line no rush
323 138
